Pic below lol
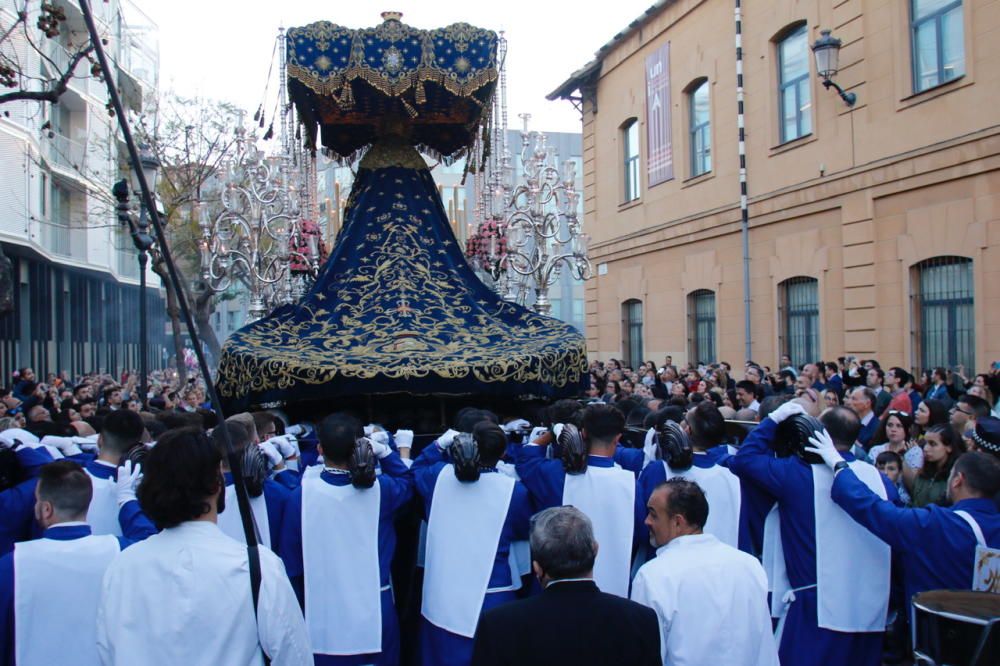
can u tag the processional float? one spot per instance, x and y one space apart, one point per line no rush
396 308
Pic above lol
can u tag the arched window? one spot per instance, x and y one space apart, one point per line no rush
699 128
798 302
794 95
630 156
632 332
944 331
701 326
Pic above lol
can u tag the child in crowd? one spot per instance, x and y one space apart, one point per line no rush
891 464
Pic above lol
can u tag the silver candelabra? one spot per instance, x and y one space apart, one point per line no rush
541 226
257 235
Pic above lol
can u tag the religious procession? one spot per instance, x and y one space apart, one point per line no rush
432 434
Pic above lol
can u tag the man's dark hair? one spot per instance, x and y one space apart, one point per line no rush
238 435
109 391
337 434
66 486
78 388
771 403
887 457
262 420
879 371
686 498
180 475
492 442
174 420
468 417
707 425
122 429
602 422
747 386
786 375
977 405
562 542
902 375
981 471
940 372
566 411
832 367
843 426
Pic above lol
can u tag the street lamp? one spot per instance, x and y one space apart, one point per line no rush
826 49
143 241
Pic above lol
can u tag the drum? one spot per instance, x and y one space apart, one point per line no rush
956 628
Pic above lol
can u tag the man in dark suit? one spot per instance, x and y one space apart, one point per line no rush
571 621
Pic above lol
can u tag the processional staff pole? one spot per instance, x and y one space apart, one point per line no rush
235 463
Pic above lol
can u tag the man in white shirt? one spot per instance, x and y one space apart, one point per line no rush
183 596
710 598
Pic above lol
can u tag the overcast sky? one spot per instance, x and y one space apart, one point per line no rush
222 48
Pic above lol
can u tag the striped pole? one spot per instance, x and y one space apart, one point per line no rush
744 206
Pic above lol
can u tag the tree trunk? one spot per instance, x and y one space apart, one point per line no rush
174 312
203 309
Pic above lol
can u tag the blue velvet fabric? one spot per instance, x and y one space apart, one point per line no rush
397 309
346 80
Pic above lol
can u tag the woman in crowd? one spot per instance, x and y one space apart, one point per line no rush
893 434
930 413
929 484
831 398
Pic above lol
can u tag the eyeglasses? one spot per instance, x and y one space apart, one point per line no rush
956 408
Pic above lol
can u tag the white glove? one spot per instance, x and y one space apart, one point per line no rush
66 445
557 430
369 429
649 450
127 482
404 439
786 410
536 433
12 436
445 440
380 448
298 429
271 451
286 445
515 425
380 436
87 444
822 445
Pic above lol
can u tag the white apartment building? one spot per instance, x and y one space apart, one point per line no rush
74 270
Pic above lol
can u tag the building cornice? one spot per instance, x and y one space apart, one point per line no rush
828 189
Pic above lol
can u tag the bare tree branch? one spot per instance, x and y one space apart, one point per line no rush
58 87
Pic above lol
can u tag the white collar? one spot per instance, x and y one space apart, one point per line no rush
105 463
569 580
686 540
866 419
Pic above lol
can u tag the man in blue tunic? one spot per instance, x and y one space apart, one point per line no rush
818 543
474 513
337 543
706 430
50 587
17 502
267 501
937 544
603 490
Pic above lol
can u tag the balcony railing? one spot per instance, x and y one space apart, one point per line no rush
65 152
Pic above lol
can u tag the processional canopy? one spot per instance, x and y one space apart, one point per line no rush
348 84
397 308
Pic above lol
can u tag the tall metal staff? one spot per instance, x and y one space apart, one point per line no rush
235 462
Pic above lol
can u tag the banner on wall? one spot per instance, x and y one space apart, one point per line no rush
660 155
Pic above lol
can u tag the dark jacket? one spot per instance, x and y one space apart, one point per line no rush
568 623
